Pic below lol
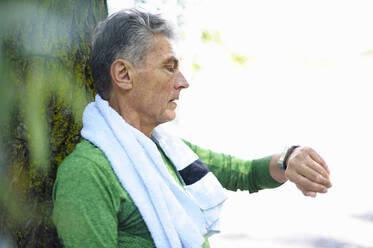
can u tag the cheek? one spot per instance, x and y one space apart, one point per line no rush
164 92
160 91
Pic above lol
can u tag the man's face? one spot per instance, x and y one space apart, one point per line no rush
157 84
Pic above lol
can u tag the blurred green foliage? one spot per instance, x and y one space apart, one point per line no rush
211 36
196 67
369 52
239 59
45 84
214 36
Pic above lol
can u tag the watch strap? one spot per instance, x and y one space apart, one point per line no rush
282 162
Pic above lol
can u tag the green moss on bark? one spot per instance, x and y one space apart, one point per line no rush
44 52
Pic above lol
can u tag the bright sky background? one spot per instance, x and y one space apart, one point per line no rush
307 80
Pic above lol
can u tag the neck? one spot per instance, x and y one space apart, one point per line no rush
131 116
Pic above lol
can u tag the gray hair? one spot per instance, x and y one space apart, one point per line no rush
127 34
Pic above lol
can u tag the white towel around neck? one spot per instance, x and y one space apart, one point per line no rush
175 216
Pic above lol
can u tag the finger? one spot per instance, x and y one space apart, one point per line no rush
308 172
318 173
311 194
307 193
316 166
302 190
306 184
315 156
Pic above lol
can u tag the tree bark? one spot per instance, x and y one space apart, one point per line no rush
45 84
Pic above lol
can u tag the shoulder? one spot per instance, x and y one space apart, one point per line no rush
85 156
85 173
86 163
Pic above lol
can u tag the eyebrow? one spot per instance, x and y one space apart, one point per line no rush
172 59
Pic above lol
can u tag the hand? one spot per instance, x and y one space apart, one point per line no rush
308 171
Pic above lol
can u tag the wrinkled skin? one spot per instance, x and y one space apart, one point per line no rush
308 171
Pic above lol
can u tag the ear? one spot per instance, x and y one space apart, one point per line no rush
121 74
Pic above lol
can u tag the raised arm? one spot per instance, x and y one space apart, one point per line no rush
235 173
305 168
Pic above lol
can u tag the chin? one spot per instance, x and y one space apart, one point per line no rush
169 117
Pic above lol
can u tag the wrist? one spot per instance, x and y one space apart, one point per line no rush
284 157
276 172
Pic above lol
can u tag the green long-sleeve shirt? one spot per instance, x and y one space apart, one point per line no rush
92 209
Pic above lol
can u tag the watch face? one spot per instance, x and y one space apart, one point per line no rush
280 162
281 165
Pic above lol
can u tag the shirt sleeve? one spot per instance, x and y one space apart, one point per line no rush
235 173
84 206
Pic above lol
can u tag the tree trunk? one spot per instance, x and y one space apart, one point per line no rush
45 84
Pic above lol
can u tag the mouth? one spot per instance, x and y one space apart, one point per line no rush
174 101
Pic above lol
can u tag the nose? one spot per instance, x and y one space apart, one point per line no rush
180 81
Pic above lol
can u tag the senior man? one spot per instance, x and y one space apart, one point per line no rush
129 183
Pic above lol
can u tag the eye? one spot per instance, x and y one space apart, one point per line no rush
170 68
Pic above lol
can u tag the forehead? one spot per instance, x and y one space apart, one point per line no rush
161 51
